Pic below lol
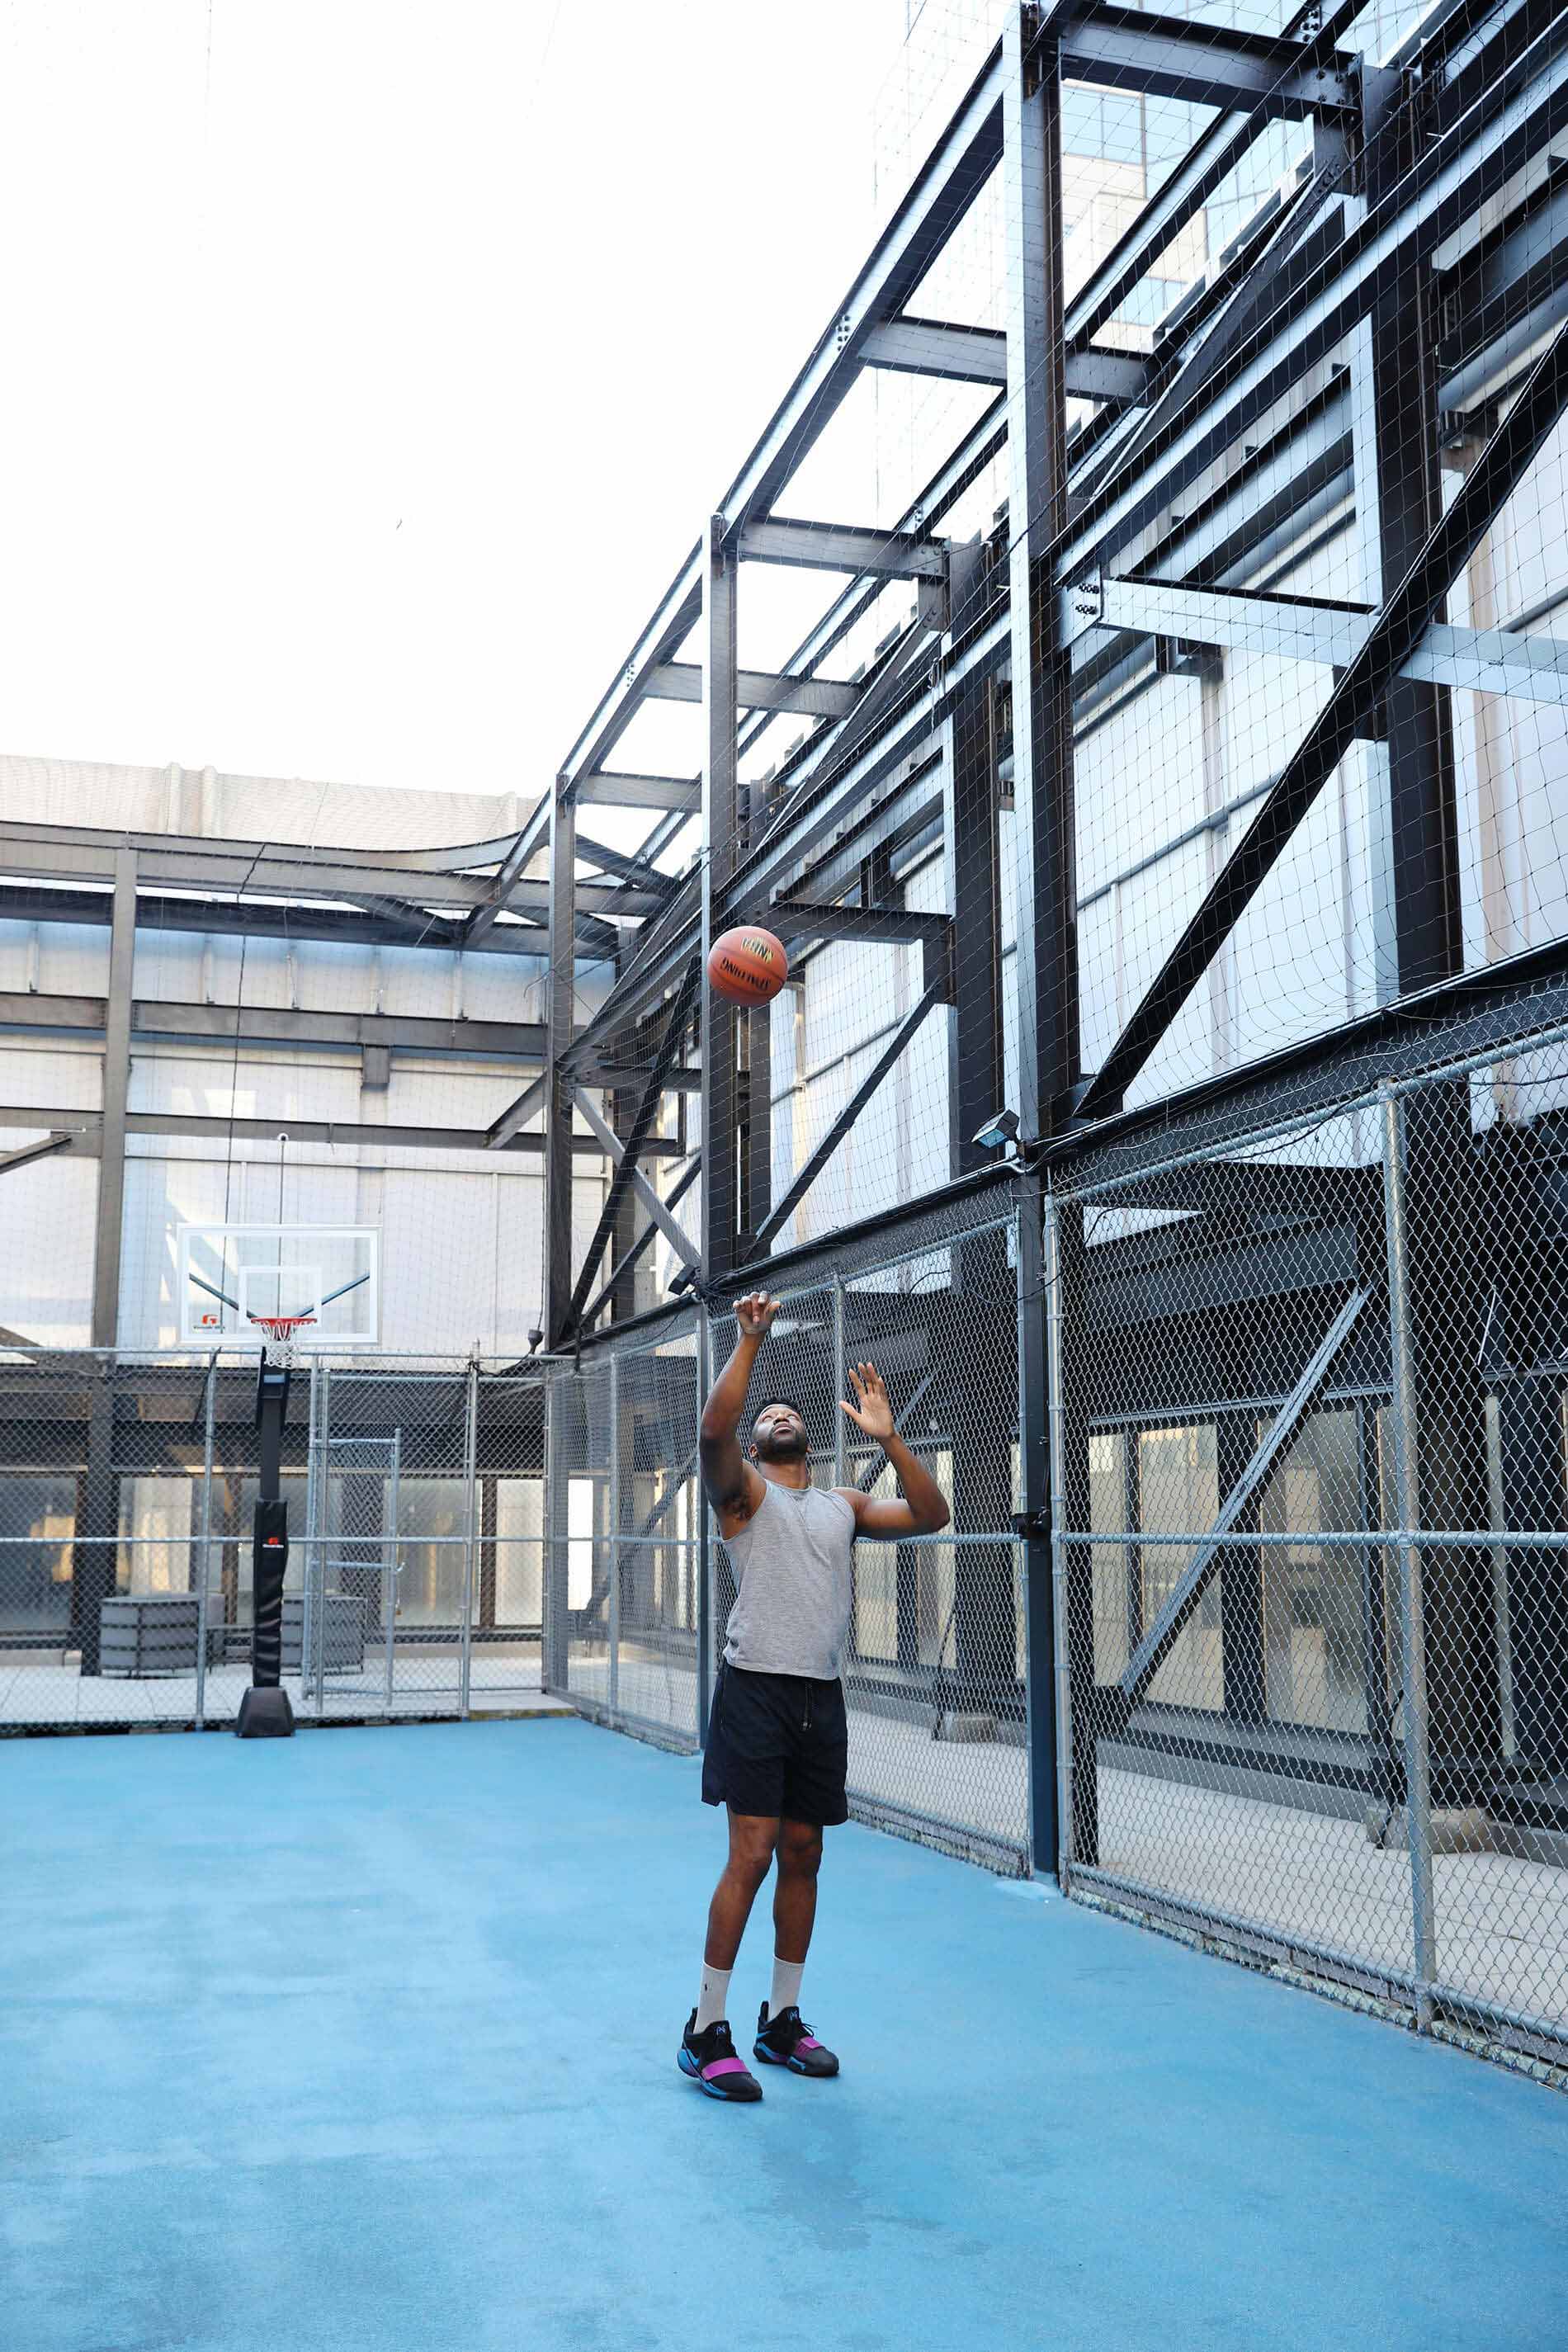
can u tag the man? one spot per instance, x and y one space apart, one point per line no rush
778 1737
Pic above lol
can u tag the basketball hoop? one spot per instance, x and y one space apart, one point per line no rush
280 1329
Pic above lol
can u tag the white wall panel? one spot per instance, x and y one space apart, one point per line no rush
46 1264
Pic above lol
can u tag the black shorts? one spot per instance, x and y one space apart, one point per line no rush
778 1744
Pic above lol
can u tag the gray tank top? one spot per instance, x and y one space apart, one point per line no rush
792 1562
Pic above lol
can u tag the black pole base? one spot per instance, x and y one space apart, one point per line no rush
265 1714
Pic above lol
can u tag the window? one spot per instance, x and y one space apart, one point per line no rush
35 1574
1178 1494
519 1552
1108 1512
1313 1639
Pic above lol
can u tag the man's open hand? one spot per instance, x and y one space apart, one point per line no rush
755 1314
872 1410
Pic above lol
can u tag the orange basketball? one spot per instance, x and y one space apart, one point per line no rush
747 965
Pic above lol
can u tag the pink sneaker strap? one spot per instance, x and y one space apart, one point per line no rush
723 2066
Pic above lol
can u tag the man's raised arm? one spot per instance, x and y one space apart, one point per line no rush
725 1474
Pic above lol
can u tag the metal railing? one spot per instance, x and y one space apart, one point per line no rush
640 1584
415 1577
1309 1518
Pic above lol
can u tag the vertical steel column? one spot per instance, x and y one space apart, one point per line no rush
559 1013
1036 511
471 1468
554 1649
1046 987
1060 1665
1399 494
93 1564
719 811
204 1550
614 1612
975 1059
1040 1456
116 1097
1412 1636
759 1146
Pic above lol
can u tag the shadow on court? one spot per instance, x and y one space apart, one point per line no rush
367 2039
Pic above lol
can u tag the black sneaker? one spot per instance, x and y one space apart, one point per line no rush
787 2042
709 2059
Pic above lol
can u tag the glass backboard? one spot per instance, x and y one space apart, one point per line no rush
238 1284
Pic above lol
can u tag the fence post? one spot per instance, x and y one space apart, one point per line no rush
204 1549
840 1471
1411 1638
704 1610
554 1645
308 1549
471 1463
614 1686
1054 1423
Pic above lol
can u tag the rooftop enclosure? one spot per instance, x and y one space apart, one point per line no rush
1127 673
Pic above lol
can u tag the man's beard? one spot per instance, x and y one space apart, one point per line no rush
784 1446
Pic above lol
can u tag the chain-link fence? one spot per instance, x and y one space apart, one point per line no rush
127 1491
1311 1542
933 1676
626 1543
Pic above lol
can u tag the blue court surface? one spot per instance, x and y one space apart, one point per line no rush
367 2039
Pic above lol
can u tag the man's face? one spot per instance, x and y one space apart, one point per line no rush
778 1434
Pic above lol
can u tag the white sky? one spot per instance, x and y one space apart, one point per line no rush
362 396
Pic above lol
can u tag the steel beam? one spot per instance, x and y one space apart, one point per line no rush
940 195
932 347
85 1127
797 918
560 1020
633 868
1046 966
501 1130
806 1175
297 919
972 855
834 547
531 839
39 1150
638 1139
979 356
721 819
640 791
1486 661
116 1098
1182 194
757 690
1523 104
617 1151
1163 1636
1201 63
1395 631
174 1022
629 1256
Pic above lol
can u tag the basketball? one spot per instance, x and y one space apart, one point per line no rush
748 965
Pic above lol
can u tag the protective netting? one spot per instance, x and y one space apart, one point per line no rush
934 1674
1312 1539
1270 296
127 1490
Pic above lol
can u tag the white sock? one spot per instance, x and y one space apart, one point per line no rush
713 2001
785 1993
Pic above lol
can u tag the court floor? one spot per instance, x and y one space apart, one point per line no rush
365 2041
